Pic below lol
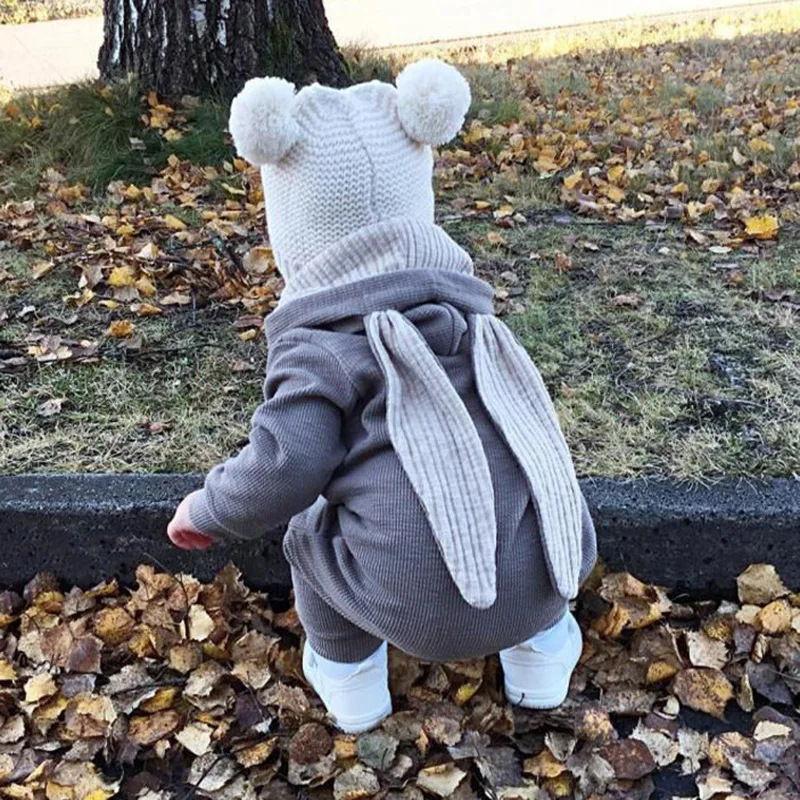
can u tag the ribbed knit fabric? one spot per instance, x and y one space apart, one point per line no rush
365 549
354 166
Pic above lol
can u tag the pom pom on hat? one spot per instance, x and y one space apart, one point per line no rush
262 120
432 101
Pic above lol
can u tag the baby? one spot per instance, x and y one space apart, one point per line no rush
404 434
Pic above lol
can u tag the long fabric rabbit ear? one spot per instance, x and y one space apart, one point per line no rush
432 100
262 120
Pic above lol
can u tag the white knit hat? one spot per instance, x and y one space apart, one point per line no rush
334 161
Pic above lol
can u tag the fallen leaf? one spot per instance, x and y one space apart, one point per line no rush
631 300
441 780
704 689
764 226
51 408
760 584
121 329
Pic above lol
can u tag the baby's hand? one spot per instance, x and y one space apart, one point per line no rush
182 533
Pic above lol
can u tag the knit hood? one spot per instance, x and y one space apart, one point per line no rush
336 161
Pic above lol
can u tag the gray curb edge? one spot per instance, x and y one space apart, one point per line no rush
86 528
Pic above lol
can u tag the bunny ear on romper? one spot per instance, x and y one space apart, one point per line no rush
262 120
432 101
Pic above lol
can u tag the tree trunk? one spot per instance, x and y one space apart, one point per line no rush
198 46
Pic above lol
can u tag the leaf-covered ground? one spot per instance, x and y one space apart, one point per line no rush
15 12
177 689
637 210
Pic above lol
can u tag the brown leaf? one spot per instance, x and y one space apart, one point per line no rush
631 300
760 584
704 689
630 759
147 730
113 625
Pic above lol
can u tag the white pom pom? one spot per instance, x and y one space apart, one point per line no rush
432 101
262 120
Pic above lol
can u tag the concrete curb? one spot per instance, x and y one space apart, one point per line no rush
85 528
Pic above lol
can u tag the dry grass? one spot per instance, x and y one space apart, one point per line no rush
700 380
14 12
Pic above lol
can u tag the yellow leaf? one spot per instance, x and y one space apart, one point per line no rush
710 185
7 672
679 189
465 692
38 687
121 329
761 146
148 310
545 765
114 625
616 174
41 269
173 222
482 205
126 229
232 189
495 239
145 287
546 162
132 192
249 336
121 277
173 135
615 194
504 211
704 689
764 226
163 699
571 181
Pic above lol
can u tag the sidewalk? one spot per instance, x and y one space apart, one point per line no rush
46 53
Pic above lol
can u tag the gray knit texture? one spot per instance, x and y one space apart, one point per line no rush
321 453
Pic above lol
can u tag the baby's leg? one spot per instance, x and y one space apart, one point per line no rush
347 667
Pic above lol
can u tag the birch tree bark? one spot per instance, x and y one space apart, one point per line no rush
199 46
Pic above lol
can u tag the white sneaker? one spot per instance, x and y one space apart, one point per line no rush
356 695
537 672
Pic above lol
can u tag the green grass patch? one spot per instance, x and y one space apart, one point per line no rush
698 381
95 134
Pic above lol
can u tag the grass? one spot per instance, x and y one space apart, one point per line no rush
14 12
698 381
182 379
86 129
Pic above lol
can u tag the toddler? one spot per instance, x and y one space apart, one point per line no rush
404 434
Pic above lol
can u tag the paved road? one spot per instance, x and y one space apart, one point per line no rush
45 53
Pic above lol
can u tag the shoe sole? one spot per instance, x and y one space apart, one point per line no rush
361 725
528 699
